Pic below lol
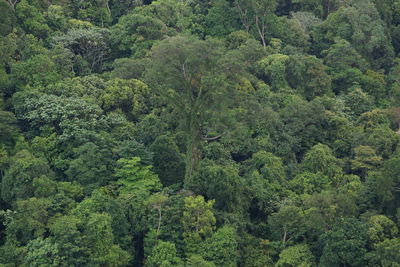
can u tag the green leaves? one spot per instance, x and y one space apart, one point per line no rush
134 178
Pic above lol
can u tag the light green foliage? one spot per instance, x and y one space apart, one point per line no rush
273 68
163 255
221 247
71 118
42 252
309 183
381 228
99 238
133 177
197 260
133 97
31 19
321 159
39 70
198 222
365 159
386 253
298 255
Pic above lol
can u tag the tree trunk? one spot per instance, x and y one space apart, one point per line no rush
193 152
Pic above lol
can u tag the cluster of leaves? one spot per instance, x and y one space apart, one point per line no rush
200 133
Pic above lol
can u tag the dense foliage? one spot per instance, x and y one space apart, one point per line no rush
200 133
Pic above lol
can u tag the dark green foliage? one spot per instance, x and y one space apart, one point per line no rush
199 133
168 161
18 179
345 244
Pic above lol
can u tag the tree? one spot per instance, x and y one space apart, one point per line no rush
31 19
321 159
298 255
72 119
8 130
386 253
17 182
221 247
134 178
361 25
95 11
89 44
309 183
163 255
323 210
39 70
196 260
381 228
221 183
42 252
358 102
7 18
308 75
193 75
169 163
273 70
198 222
91 167
135 33
365 160
256 14
100 239
133 97
67 234
29 221
286 224
221 19
345 244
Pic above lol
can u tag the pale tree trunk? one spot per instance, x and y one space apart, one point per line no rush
398 126
261 31
12 3
243 14
193 153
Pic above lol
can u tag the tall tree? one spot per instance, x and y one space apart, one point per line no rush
194 76
257 14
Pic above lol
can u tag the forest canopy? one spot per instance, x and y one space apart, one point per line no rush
197 133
